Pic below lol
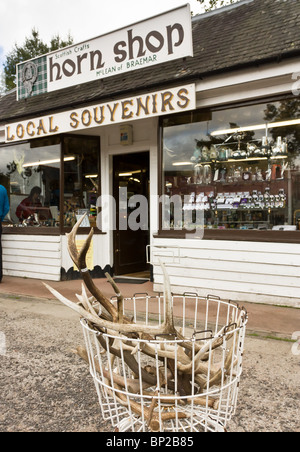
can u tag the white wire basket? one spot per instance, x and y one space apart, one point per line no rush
184 383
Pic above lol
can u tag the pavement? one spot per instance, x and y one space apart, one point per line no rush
264 320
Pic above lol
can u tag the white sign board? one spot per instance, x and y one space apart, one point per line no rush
145 44
159 103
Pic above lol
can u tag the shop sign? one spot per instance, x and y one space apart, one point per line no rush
166 102
157 40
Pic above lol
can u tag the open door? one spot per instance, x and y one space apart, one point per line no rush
130 178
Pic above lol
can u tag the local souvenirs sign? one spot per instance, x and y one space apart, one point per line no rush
148 105
157 40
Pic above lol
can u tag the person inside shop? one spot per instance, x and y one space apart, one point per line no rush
4 209
29 206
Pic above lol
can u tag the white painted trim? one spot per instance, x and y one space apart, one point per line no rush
264 72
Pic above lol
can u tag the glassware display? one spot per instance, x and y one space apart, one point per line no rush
242 177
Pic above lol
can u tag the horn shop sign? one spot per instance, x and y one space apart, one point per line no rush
157 40
149 105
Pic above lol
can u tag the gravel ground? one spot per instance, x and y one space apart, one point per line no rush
46 388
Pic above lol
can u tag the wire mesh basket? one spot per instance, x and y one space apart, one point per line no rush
186 382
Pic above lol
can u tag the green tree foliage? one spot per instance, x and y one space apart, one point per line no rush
32 48
213 4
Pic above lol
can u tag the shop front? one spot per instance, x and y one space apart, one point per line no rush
68 170
198 169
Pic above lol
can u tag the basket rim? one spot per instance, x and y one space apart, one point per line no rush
85 323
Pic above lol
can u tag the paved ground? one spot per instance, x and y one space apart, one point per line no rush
265 320
46 388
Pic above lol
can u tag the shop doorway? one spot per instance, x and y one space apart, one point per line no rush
131 178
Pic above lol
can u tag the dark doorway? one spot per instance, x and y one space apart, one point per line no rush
131 178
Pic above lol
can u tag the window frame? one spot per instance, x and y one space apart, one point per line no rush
218 234
61 229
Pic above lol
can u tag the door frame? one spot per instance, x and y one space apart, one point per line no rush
115 239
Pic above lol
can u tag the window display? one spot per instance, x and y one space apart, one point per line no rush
31 173
239 166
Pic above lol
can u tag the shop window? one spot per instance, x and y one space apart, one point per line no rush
236 168
31 174
39 197
81 180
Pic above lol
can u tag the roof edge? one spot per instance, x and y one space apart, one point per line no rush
220 10
191 78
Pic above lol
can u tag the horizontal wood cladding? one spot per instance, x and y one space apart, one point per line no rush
37 257
243 271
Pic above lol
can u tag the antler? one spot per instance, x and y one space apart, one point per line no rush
184 362
79 259
116 314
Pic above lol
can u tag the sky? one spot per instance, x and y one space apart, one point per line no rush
83 19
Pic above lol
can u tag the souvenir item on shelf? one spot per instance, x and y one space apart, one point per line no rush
230 175
216 175
198 174
277 148
284 148
213 153
247 175
281 147
224 153
282 193
261 197
283 169
265 147
244 203
267 194
223 175
282 197
237 175
258 153
251 148
207 175
236 202
277 201
276 171
269 173
236 155
259 175
205 154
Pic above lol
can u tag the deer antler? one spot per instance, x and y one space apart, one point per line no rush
184 369
113 323
79 259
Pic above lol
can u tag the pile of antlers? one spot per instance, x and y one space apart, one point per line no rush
187 368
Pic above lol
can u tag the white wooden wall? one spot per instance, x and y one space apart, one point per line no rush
41 257
240 271
32 256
